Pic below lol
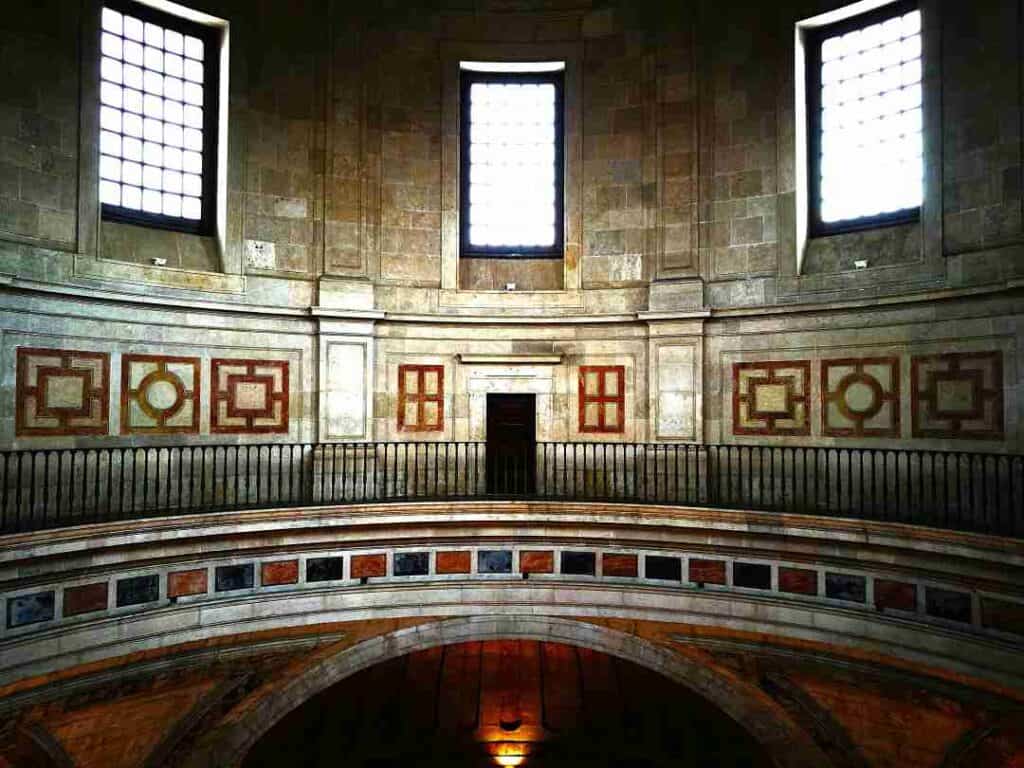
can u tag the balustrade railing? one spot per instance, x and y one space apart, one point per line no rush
961 491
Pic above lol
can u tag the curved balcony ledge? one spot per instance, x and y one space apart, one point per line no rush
942 601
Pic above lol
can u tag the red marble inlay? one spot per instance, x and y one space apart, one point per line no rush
181 415
895 594
364 566
420 399
606 400
798 581
38 409
279 572
85 599
978 375
181 583
453 562
537 562
228 411
792 417
707 571
618 565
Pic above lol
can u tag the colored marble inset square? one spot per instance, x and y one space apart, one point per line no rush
30 609
420 398
707 571
844 586
227 578
159 395
249 396
798 581
957 395
619 565
860 397
61 392
85 598
1002 615
279 572
366 566
602 398
537 562
494 561
752 575
895 595
412 563
947 604
184 583
137 590
579 563
771 398
325 569
453 562
663 568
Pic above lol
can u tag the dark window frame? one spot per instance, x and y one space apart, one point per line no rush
557 251
212 39
812 56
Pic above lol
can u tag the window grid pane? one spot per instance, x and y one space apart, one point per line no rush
513 180
152 118
870 120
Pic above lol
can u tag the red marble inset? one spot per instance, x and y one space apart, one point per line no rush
957 395
85 599
365 566
898 595
38 410
707 571
233 382
453 562
537 562
618 565
182 583
279 572
798 581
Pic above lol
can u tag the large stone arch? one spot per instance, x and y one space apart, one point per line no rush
765 720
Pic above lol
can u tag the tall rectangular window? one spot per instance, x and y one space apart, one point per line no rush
158 118
865 120
512 160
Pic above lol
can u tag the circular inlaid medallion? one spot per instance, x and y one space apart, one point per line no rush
161 395
860 396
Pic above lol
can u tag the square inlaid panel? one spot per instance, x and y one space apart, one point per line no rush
421 398
957 395
62 392
159 394
602 398
771 398
860 397
248 396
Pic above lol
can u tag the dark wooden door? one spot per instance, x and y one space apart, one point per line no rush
511 443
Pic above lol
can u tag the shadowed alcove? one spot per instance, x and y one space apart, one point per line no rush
507 703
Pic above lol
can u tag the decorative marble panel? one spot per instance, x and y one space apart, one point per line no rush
860 397
159 394
421 398
62 392
957 395
602 398
344 390
248 396
771 398
676 400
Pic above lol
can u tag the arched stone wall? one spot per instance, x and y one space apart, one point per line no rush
789 746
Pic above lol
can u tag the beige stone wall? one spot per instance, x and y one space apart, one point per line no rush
683 258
